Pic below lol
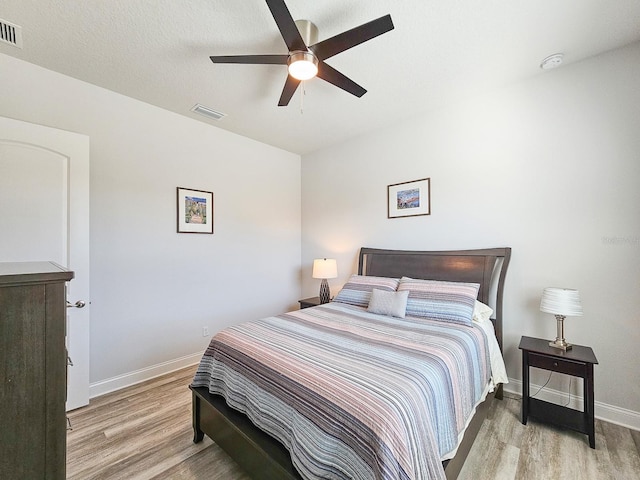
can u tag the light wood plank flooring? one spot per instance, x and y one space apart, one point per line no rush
144 432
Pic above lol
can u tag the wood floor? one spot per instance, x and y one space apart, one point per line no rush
144 432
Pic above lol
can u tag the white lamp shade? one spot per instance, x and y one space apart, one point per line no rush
325 268
561 301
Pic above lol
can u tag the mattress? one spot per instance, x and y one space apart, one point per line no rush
351 394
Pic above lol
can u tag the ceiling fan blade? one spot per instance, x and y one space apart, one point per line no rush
346 40
336 78
251 59
286 25
289 89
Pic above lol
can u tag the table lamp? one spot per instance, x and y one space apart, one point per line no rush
561 302
325 268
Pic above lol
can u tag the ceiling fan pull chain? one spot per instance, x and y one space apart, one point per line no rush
302 94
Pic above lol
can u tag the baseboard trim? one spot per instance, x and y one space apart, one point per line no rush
132 378
608 413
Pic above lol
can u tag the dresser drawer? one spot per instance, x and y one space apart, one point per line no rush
560 365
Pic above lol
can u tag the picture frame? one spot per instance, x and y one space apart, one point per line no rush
409 199
194 211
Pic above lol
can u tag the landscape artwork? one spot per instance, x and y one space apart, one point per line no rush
409 199
194 211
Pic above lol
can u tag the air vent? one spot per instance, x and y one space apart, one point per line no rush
10 33
208 112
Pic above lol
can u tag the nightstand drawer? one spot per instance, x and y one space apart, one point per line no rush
557 365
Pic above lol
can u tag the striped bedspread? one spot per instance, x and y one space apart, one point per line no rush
352 395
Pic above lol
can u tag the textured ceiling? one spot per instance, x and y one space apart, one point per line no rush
440 51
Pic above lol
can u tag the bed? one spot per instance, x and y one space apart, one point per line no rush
276 390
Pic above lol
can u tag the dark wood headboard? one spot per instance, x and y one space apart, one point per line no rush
487 266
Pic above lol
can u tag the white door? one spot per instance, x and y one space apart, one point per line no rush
44 215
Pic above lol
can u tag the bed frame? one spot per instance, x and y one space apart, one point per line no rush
263 457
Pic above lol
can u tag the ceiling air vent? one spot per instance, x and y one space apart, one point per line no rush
208 112
10 33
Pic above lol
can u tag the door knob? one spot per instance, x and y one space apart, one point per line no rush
78 304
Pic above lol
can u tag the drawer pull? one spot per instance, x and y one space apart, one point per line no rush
555 364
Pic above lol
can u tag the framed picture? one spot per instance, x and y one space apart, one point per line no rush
195 211
409 199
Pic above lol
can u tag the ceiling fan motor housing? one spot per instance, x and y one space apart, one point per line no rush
308 31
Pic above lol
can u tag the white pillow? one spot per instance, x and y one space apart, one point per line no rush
481 312
393 304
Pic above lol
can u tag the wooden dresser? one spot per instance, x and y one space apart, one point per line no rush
32 370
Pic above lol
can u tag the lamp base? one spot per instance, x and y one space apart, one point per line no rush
561 344
325 293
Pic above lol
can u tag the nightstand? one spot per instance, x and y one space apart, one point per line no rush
578 362
309 302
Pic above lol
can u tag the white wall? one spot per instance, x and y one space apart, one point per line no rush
549 167
152 290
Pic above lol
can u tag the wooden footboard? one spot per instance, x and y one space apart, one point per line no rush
263 457
258 453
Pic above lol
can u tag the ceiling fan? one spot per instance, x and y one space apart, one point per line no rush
306 58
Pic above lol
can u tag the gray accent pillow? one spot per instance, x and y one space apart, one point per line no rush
393 304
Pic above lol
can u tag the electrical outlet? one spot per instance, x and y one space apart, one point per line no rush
205 331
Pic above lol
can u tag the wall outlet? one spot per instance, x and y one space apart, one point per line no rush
205 331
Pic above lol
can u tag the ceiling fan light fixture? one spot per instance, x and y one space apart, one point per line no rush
303 65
